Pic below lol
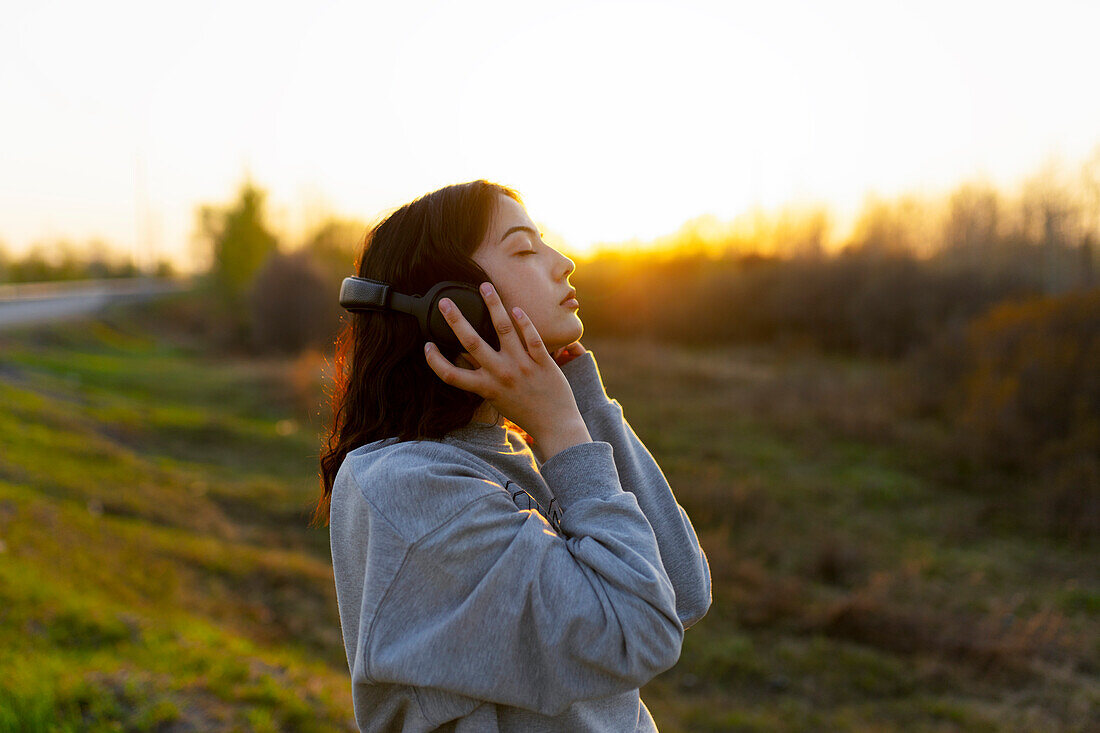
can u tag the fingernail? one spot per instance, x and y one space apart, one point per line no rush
517 312
445 305
427 347
486 288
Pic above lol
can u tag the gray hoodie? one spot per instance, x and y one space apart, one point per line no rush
480 590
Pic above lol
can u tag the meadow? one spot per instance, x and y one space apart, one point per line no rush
157 572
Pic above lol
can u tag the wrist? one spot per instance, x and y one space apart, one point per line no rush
563 435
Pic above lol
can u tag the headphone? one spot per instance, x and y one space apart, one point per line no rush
359 294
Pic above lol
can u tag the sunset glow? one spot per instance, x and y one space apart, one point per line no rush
616 121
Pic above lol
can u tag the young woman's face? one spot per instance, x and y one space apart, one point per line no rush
530 274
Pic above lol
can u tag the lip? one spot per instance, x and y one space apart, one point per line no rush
571 298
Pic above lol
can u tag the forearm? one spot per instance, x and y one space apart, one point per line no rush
684 559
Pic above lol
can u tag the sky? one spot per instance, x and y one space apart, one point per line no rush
615 120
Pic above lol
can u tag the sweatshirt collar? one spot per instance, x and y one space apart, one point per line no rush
490 434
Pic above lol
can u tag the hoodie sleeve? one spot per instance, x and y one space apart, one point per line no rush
495 605
683 558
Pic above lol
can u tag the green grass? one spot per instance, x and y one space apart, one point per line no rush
156 568
157 573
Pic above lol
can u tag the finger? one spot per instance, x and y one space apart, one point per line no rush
534 344
502 322
465 379
469 338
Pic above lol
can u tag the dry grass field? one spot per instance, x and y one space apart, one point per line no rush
156 571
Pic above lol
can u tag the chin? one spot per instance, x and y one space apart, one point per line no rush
566 336
578 332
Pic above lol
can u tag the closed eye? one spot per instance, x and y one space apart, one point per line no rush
533 252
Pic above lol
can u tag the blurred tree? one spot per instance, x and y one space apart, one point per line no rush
893 228
36 266
164 268
1051 219
334 247
61 260
1090 193
239 241
973 216
971 229
100 262
1090 198
800 232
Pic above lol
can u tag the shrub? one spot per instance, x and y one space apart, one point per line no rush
1021 386
291 305
1032 380
874 304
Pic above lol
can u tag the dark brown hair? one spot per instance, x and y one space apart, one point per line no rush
382 386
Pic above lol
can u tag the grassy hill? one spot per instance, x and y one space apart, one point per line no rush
157 573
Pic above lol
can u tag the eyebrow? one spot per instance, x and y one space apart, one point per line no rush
519 229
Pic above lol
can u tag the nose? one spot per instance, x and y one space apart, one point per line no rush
567 265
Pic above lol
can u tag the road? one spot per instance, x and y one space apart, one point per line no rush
27 303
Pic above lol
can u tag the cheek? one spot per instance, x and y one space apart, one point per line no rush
508 295
512 299
514 292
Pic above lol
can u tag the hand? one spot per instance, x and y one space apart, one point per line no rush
566 354
521 380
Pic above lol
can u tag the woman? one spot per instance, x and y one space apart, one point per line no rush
486 583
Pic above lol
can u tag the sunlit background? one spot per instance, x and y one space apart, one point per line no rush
839 266
617 121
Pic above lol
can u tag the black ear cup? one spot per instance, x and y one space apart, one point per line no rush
473 308
360 294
